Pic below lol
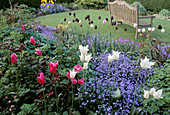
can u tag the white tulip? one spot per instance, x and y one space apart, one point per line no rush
149 29
79 21
153 29
152 91
72 74
110 58
143 30
88 57
145 63
146 94
85 66
82 58
91 25
135 25
139 30
83 50
162 30
115 55
158 94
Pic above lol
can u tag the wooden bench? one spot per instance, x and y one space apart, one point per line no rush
122 11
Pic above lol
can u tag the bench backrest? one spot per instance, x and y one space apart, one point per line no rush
122 11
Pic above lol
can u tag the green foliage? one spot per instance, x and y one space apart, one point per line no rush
70 6
164 12
142 10
93 4
159 81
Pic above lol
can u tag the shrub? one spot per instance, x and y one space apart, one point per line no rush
164 12
142 10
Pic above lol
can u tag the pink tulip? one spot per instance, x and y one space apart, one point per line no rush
74 81
78 68
104 21
39 44
41 79
23 27
68 74
81 81
38 52
50 93
14 58
53 67
32 40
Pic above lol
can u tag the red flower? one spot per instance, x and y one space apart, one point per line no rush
78 68
41 79
38 52
39 44
32 40
14 58
68 74
23 27
53 67
81 81
74 81
50 93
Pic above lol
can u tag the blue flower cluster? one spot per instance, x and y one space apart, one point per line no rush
99 98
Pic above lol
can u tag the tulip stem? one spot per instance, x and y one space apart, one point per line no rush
84 81
56 95
115 74
136 87
72 97
109 83
45 103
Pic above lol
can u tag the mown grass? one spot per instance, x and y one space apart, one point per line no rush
103 29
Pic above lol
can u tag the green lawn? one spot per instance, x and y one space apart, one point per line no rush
55 19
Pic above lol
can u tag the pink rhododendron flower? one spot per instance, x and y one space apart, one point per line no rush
78 68
104 21
32 40
68 74
50 93
38 52
23 27
74 81
81 81
41 79
53 67
14 58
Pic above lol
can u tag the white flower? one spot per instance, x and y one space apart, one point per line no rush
158 94
146 94
145 63
152 91
72 73
85 66
82 58
115 55
149 29
88 57
143 30
79 21
153 29
110 58
83 50
162 30
139 30
135 25
91 25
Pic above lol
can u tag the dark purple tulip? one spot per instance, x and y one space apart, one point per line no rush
61 22
159 27
74 14
106 19
91 22
99 17
113 23
64 19
85 18
125 29
88 16
81 25
88 19
95 27
111 17
73 21
69 13
116 28
76 19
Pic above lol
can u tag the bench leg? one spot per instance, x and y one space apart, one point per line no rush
136 35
